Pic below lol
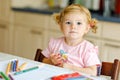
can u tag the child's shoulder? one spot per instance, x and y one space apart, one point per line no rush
89 44
91 47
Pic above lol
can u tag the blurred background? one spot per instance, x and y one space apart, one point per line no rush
104 7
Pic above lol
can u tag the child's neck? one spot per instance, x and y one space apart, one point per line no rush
74 42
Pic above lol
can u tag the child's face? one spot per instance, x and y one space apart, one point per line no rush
74 25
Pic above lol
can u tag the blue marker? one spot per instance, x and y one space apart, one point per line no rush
14 65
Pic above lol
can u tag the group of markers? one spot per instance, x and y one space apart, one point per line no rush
12 66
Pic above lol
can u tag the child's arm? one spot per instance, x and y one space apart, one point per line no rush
47 60
91 70
54 59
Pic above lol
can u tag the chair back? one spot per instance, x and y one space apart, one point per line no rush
39 56
111 69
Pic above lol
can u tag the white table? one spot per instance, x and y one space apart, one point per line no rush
48 72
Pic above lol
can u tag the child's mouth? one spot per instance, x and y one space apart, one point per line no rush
73 32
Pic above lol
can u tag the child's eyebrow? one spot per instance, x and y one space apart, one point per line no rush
78 20
66 19
70 20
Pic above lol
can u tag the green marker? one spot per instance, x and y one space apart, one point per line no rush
26 70
4 76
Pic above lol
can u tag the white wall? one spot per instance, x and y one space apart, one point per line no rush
28 3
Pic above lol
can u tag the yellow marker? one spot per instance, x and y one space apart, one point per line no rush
8 68
22 66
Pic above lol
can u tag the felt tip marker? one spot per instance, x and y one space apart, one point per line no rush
26 70
8 68
22 66
4 76
11 78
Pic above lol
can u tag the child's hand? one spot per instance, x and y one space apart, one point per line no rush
56 59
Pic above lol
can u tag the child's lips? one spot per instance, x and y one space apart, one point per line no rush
73 32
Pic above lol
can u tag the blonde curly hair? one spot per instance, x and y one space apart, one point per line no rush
76 7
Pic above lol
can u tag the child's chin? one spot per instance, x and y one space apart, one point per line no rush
73 37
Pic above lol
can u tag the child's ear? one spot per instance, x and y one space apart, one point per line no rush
60 25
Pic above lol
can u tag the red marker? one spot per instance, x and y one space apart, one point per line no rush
64 76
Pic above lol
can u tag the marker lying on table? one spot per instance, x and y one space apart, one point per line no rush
22 66
4 76
11 78
26 70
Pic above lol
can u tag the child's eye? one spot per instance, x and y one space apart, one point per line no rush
68 22
78 23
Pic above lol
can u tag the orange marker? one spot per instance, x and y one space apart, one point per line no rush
16 65
22 66
8 68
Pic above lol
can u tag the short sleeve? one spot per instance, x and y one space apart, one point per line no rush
46 52
91 57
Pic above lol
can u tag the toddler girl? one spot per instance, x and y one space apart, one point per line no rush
72 51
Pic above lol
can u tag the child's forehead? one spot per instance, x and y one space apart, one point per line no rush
74 15
78 13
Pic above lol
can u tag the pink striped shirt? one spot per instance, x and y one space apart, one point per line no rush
83 55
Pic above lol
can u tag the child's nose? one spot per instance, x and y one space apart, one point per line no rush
73 26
